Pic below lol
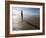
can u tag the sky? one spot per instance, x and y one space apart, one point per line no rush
26 11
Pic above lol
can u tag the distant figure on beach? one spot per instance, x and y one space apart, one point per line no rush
22 15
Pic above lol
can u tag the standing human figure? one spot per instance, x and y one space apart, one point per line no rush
22 15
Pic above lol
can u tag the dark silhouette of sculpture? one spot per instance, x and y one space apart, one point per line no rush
22 15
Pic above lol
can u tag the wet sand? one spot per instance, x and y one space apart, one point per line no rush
28 23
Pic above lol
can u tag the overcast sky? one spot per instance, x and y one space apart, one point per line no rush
29 11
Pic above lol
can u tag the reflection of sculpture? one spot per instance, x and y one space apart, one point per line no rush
22 15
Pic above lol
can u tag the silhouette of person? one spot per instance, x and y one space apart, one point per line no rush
22 15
